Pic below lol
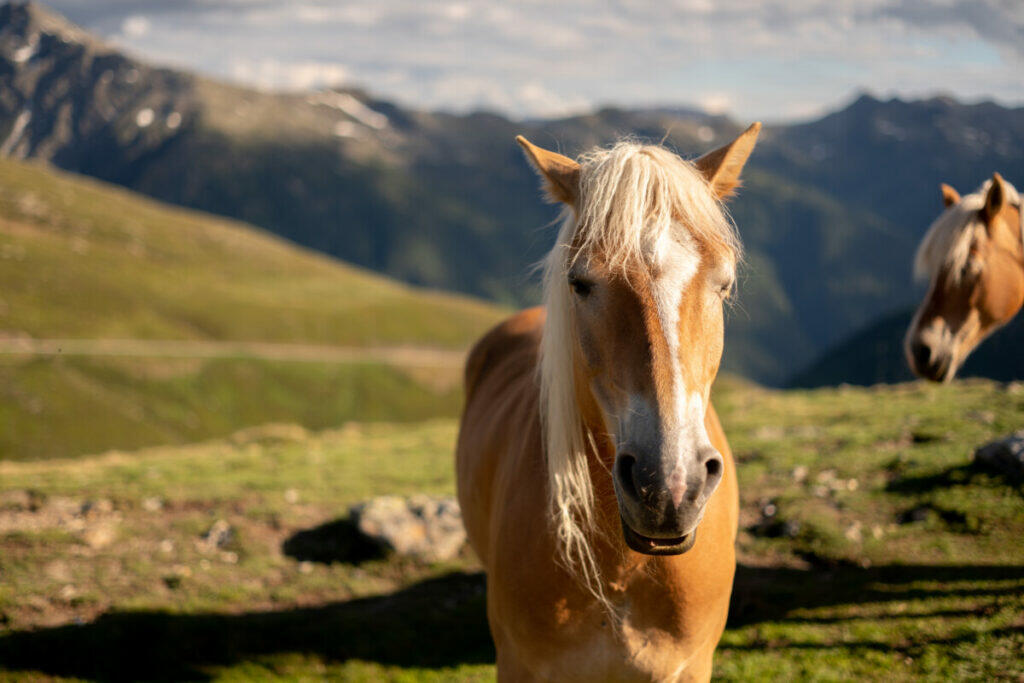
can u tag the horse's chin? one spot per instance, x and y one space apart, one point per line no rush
657 546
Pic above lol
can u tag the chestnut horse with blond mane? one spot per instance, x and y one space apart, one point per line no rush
595 480
973 257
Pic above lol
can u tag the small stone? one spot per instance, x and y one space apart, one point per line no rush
68 592
853 532
152 504
1003 456
167 546
800 473
99 535
58 570
877 531
218 537
229 557
17 499
291 496
100 506
305 567
852 484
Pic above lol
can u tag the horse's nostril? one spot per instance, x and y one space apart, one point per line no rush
714 467
922 354
625 467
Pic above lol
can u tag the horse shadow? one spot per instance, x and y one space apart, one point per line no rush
440 622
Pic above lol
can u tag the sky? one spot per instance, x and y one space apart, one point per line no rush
773 60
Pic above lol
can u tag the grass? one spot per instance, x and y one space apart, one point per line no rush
65 406
915 571
83 260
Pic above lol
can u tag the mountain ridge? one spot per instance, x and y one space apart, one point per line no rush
830 212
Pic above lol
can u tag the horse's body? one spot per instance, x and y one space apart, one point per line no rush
973 257
652 614
545 624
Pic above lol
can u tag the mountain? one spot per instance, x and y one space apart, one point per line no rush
202 326
830 212
874 355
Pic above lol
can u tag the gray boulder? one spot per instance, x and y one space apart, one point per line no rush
1004 456
424 528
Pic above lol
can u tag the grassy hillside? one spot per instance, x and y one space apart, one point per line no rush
85 259
869 548
82 260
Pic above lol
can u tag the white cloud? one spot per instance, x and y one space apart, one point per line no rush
773 58
273 74
135 26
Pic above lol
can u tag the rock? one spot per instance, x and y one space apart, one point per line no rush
217 538
17 499
100 534
1004 456
421 527
152 504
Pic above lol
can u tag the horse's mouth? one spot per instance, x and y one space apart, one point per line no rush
657 546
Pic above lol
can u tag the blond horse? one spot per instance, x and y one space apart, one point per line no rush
973 257
596 483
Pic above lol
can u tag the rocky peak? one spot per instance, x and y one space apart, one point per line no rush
23 24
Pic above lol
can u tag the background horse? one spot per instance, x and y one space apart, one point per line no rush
595 480
973 255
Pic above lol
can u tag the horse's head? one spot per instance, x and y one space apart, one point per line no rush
974 259
634 290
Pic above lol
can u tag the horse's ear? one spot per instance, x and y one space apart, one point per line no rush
995 200
949 195
723 166
560 173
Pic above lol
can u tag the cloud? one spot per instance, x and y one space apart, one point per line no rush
273 74
135 26
774 58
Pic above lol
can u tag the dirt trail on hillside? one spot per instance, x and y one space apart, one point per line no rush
407 356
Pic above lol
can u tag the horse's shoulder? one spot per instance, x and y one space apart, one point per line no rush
515 339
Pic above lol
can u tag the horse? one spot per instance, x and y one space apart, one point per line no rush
973 258
595 480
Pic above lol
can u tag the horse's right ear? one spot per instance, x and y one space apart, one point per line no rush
949 195
560 173
995 199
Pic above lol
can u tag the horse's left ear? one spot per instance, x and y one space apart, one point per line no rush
561 174
995 200
723 166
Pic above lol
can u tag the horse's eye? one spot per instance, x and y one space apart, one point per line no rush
580 287
725 291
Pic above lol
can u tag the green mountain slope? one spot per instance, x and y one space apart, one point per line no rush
83 260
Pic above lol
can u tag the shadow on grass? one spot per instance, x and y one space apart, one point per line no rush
769 594
438 623
337 541
959 475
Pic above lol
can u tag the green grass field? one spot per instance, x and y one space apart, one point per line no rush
84 260
869 549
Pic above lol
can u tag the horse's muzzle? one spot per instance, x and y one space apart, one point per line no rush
660 510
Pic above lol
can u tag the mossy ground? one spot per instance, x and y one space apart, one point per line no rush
869 549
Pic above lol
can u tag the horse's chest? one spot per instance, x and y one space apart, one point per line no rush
625 654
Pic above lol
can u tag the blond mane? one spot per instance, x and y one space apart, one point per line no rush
632 196
947 244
